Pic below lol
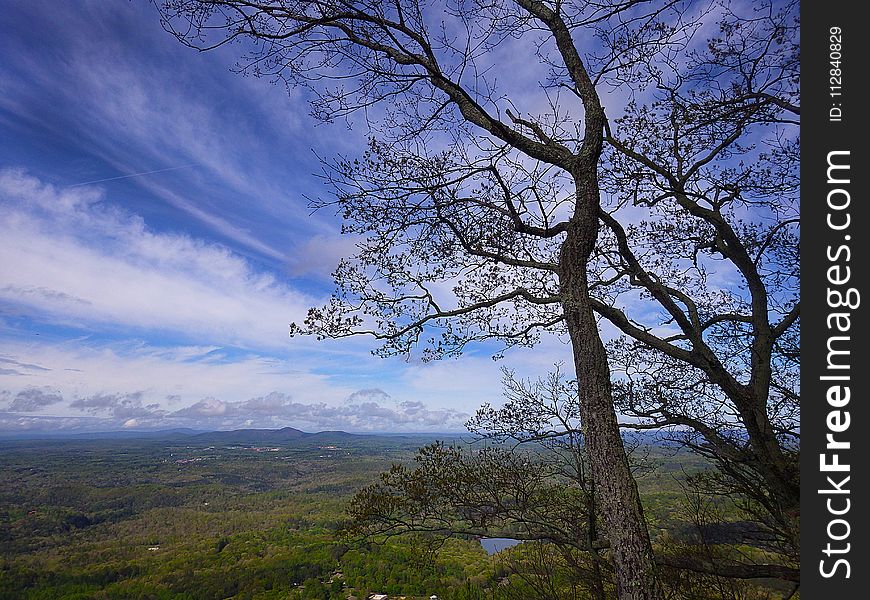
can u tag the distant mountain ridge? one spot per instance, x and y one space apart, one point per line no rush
240 437
253 436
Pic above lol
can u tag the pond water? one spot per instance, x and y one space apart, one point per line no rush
493 545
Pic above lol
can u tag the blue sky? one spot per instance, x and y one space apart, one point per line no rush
156 243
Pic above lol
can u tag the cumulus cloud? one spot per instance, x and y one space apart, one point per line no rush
271 410
16 423
118 406
358 413
207 407
34 399
368 394
208 387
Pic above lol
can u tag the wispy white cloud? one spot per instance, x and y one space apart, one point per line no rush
171 377
242 236
138 101
70 256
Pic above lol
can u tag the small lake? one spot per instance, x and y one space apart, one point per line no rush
493 545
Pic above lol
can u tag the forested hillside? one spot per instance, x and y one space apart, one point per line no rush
222 516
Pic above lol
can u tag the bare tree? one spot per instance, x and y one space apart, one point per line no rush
712 161
481 200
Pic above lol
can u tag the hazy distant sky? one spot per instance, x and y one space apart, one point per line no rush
155 243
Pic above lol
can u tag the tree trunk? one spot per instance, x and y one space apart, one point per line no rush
617 491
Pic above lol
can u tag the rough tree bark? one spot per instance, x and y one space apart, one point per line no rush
614 484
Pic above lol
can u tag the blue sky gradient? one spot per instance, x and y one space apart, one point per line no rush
157 242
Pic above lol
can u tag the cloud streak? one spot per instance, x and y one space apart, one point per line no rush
105 179
73 257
